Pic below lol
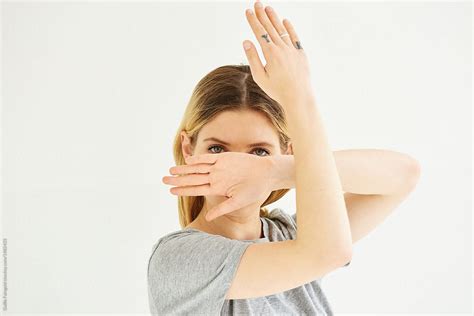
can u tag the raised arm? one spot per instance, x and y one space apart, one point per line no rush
323 240
321 212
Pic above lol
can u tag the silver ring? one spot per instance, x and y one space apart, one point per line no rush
284 34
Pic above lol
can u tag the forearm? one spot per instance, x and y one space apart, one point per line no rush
283 172
361 171
321 211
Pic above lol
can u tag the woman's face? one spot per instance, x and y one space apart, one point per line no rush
236 131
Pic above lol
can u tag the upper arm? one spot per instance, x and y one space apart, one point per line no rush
273 267
366 212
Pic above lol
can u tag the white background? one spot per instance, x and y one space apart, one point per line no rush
93 94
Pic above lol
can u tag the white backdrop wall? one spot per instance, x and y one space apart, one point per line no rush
92 94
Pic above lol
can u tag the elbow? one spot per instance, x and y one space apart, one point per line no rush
408 174
342 256
346 255
413 172
414 169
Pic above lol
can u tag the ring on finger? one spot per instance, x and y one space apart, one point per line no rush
266 37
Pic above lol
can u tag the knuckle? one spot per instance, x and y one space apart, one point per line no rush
272 47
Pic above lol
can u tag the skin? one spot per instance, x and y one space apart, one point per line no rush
324 231
371 191
243 223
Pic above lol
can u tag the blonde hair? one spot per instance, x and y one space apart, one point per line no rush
229 87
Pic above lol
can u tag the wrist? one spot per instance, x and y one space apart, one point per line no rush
298 100
281 172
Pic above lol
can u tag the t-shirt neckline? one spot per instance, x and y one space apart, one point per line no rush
264 238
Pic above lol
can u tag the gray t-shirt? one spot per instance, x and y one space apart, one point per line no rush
190 272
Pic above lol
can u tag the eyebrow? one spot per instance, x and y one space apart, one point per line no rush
227 144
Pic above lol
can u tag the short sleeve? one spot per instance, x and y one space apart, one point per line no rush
294 218
191 272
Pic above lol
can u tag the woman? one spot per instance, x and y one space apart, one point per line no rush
233 256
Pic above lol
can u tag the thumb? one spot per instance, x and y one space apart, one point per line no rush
228 206
256 66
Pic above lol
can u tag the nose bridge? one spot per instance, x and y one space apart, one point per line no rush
238 148
241 149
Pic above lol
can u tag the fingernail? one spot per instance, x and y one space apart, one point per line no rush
247 45
258 4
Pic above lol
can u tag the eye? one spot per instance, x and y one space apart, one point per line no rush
255 150
264 150
214 146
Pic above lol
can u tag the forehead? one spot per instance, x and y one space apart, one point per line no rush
240 126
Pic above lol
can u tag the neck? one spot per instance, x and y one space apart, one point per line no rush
242 224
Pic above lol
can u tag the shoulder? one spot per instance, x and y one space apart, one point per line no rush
185 252
188 240
282 216
281 225
193 269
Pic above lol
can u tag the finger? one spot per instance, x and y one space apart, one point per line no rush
204 158
189 179
258 31
197 190
192 168
294 37
256 67
267 24
280 28
229 205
